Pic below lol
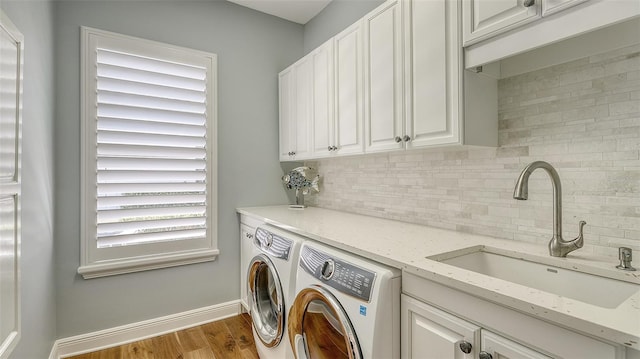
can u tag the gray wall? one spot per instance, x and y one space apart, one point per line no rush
252 48
337 16
35 21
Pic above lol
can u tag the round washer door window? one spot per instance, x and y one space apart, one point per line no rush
319 328
266 300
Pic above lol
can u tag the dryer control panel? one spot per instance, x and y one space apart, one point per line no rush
338 274
272 244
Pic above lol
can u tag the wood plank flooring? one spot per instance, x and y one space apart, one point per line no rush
229 338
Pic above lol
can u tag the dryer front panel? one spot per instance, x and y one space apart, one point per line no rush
266 301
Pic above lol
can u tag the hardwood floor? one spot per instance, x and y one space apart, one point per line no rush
228 338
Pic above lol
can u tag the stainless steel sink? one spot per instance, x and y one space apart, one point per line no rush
588 288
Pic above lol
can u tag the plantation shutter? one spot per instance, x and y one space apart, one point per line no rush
151 150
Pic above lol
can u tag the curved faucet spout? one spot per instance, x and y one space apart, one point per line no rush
557 246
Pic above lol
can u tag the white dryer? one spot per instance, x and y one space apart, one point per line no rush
345 307
270 289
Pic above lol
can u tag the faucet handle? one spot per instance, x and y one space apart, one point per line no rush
579 240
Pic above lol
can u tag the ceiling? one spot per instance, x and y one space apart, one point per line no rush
299 11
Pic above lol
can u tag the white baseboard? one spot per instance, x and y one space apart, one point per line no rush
102 339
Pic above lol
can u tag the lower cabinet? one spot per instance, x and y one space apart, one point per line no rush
432 333
438 322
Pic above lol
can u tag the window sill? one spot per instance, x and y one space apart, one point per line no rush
131 265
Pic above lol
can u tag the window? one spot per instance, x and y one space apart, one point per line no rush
148 155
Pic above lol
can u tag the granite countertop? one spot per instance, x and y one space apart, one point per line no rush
406 246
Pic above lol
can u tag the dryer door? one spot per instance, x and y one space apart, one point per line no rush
319 328
266 300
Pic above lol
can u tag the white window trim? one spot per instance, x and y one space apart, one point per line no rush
98 262
12 188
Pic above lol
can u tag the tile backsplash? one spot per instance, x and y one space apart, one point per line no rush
582 116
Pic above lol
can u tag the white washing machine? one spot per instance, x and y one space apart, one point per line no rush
345 307
270 289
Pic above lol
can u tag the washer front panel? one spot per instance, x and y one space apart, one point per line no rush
338 274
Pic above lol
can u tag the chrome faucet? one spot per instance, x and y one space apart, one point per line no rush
558 247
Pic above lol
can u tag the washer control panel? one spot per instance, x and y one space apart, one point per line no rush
338 274
272 244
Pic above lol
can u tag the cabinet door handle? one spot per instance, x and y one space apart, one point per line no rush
406 138
335 148
484 355
398 139
248 235
465 347
529 3
330 148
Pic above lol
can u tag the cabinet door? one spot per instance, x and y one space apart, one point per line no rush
348 90
434 57
303 108
502 348
431 333
323 111
246 251
552 6
286 86
384 122
486 18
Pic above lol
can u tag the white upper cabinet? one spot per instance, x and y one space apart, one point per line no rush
286 85
323 138
296 110
321 100
348 91
494 30
391 81
485 18
433 77
384 120
304 109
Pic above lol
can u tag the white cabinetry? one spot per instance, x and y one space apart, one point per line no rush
395 82
486 18
434 95
431 333
497 29
483 19
348 132
384 120
248 227
246 244
436 316
296 110
321 100
323 130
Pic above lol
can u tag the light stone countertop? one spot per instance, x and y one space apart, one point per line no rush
405 246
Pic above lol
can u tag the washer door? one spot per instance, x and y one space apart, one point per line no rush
266 302
319 328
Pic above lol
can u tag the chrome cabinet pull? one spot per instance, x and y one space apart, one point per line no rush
406 138
398 139
529 3
485 355
465 347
